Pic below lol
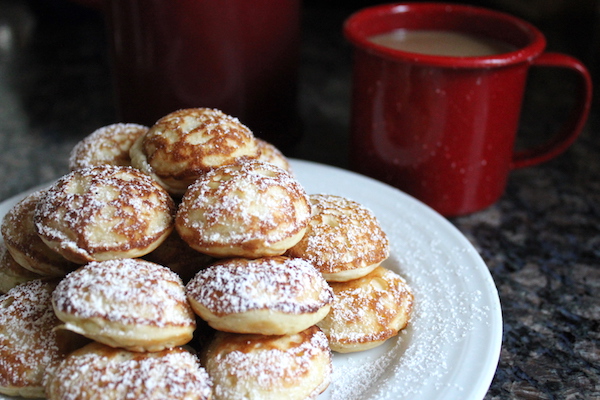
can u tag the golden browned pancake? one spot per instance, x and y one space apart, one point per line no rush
97 371
103 213
25 245
128 303
180 257
11 272
271 154
367 311
269 296
343 240
107 145
250 209
184 144
257 367
28 343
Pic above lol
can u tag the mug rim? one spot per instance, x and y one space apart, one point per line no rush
359 26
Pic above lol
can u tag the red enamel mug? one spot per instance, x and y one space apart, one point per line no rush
443 128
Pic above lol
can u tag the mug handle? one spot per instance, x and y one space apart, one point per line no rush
575 122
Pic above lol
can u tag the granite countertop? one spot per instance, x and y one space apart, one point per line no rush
541 240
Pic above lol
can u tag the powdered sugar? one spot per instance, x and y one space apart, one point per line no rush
28 343
293 364
291 286
273 365
170 374
127 291
107 145
369 309
101 209
342 235
245 202
24 244
187 142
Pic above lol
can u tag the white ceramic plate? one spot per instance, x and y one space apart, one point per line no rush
451 348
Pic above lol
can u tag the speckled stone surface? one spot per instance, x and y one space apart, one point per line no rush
541 240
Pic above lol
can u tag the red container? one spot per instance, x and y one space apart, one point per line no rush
443 128
235 55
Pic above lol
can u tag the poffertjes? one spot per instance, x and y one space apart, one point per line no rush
250 209
185 144
129 303
267 152
179 257
103 213
269 295
108 145
11 272
26 246
192 234
257 367
367 311
343 239
29 343
97 371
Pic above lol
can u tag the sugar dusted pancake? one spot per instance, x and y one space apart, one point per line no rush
128 303
97 371
24 244
250 209
257 367
267 152
343 240
102 213
184 144
269 296
11 272
107 145
28 343
179 257
367 311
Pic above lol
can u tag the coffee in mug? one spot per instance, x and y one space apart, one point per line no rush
441 43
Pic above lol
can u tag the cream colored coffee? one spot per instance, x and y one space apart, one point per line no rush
441 43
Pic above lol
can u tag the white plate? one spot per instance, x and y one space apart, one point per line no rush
451 348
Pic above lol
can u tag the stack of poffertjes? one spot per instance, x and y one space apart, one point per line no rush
185 261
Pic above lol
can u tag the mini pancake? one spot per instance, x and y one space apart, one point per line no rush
102 213
11 272
251 209
183 145
108 145
179 257
253 367
28 342
97 371
24 244
129 303
367 311
271 154
269 296
343 240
